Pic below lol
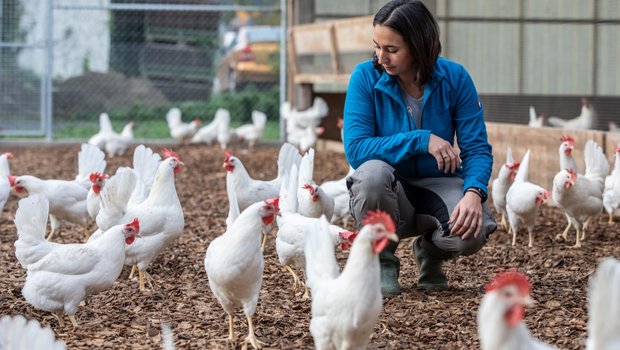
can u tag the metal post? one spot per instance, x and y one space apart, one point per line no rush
283 21
49 49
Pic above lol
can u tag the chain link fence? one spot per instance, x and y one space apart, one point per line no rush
62 63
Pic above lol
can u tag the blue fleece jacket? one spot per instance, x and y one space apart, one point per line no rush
377 125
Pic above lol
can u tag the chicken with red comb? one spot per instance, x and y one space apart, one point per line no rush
234 263
501 313
93 199
501 185
341 319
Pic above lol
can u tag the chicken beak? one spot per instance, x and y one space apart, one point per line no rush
392 236
528 301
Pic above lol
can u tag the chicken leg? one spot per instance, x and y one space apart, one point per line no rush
611 219
296 280
514 237
142 276
232 338
54 224
531 239
133 270
505 224
564 234
73 321
59 317
251 338
263 243
578 240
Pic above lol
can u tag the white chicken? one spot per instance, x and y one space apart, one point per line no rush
60 276
293 228
501 184
535 121
252 133
18 333
341 319
234 263
208 133
224 132
523 201
500 315
250 191
93 199
179 130
613 127
604 309
67 198
160 214
5 185
581 196
110 141
567 162
611 194
585 120
338 190
302 127
312 200
117 144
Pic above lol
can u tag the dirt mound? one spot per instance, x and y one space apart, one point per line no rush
93 93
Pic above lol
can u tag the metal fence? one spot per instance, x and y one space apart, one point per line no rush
62 63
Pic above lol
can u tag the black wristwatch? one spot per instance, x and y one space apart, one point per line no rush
479 192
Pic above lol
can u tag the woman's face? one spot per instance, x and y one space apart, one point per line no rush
392 51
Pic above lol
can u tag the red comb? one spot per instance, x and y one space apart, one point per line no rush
275 202
94 177
135 224
506 278
379 217
310 188
9 155
513 166
168 153
572 173
618 149
227 154
567 138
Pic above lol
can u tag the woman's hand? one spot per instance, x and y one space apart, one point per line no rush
466 218
447 158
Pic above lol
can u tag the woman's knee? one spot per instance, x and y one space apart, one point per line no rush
372 178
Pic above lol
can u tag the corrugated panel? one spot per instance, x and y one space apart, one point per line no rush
609 9
608 66
558 59
573 9
484 8
489 51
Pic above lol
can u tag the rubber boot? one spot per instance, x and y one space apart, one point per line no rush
431 276
390 268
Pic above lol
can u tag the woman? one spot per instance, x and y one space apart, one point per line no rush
402 112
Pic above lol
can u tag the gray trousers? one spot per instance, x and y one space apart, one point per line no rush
419 207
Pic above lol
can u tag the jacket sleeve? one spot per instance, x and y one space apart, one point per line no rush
361 142
471 134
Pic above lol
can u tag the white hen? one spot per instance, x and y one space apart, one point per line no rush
501 184
313 201
179 130
293 228
208 133
500 315
581 196
67 198
535 121
604 309
110 141
234 264
60 276
252 133
93 199
160 214
585 120
249 190
523 201
342 319
17 333
5 185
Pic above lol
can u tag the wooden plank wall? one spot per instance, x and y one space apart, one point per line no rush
543 144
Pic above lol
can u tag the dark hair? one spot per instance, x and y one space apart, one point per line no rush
414 22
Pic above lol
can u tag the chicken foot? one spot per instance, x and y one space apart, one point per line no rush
59 317
514 237
133 270
531 239
142 276
578 240
564 234
504 223
251 338
73 321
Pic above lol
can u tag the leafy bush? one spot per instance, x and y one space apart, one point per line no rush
240 104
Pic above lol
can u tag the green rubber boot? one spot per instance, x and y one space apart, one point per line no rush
431 276
390 268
